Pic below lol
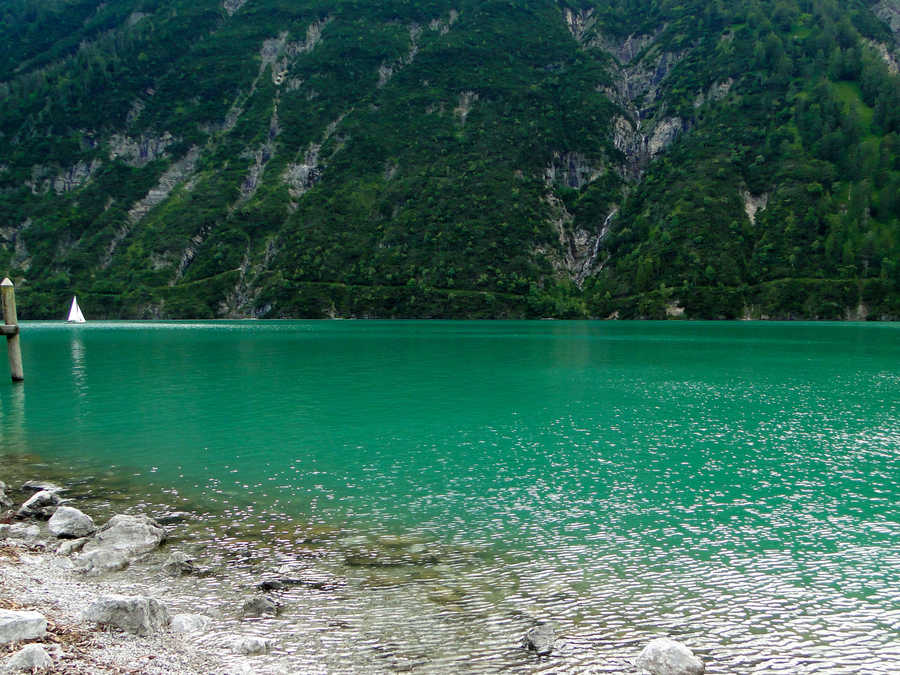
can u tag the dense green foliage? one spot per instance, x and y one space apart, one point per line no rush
450 158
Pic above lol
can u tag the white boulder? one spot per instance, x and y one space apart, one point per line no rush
132 613
70 523
30 658
16 626
189 623
115 544
664 656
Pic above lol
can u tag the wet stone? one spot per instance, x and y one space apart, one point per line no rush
173 517
664 656
179 564
40 505
259 606
540 639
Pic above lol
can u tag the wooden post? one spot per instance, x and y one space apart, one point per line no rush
11 330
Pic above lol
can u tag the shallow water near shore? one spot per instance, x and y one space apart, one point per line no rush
442 486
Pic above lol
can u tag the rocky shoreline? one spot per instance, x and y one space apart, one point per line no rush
56 614
65 607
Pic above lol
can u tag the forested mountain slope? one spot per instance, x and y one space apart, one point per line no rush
459 158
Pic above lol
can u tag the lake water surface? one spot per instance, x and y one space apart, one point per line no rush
442 486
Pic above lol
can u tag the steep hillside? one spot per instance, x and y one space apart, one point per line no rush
479 158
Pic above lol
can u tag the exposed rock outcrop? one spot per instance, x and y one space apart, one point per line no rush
301 176
177 173
889 12
386 70
753 204
231 6
139 151
570 169
464 106
75 176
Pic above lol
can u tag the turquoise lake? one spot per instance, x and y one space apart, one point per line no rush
734 485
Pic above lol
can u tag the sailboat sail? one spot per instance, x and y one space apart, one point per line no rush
75 315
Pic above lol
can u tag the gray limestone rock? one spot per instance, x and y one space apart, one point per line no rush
664 656
259 606
71 546
179 564
70 523
251 646
40 505
189 623
23 531
132 613
30 658
131 535
101 560
16 626
540 639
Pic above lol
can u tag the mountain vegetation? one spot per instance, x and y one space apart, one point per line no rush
452 158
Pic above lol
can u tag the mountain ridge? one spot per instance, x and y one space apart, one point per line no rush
492 159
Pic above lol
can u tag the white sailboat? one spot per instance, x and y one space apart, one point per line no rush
75 315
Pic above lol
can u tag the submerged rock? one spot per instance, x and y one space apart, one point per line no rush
30 658
173 517
70 523
40 505
132 613
189 623
261 606
251 646
540 639
39 485
17 626
318 581
391 559
101 560
179 564
664 656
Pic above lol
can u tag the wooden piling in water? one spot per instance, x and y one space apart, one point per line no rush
11 330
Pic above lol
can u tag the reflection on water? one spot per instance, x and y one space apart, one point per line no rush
431 490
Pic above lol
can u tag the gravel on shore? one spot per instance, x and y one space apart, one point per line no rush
34 578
